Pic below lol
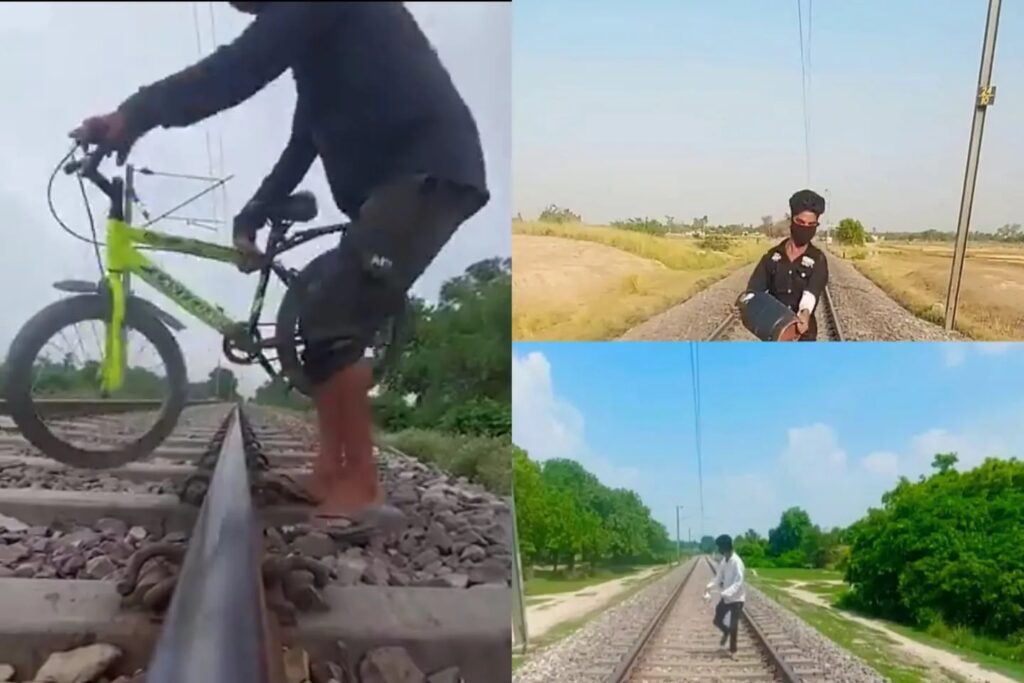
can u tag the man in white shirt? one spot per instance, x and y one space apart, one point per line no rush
729 580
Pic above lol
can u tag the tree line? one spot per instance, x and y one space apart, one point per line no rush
454 373
566 518
944 551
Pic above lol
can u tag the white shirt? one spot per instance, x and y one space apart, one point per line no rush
729 579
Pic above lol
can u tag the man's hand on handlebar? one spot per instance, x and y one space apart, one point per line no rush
247 223
111 132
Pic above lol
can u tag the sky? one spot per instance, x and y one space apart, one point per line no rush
827 427
689 108
69 61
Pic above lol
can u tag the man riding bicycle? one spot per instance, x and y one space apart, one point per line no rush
403 159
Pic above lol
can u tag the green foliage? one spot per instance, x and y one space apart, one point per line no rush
484 460
222 384
707 544
564 514
949 547
455 365
793 528
557 214
1010 233
651 226
67 379
850 231
276 393
716 243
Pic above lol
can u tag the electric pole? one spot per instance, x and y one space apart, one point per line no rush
679 550
984 98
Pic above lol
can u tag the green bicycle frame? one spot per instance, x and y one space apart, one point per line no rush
125 259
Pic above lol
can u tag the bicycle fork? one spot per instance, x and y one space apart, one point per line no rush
112 366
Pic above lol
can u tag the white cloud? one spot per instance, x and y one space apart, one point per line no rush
882 464
812 454
955 354
993 348
548 426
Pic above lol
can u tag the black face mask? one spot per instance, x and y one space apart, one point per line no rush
800 235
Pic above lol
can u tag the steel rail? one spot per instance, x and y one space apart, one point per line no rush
784 670
829 315
217 628
74 407
622 671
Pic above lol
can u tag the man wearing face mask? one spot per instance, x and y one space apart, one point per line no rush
795 271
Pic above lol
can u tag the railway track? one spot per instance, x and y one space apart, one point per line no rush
829 329
681 644
200 561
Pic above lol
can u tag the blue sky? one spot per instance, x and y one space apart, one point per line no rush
824 426
688 108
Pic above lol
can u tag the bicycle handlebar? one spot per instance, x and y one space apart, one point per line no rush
88 167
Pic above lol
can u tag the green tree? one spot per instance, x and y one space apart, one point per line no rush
850 231
944 462
949 548
223 384
707 544
794 527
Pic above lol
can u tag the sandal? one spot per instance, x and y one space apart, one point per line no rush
379 517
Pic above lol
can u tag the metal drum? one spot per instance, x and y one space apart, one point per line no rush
765 316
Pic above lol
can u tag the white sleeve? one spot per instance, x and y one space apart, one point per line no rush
730 590
808 301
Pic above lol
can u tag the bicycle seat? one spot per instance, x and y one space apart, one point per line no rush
298 208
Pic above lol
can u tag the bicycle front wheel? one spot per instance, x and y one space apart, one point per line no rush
54 392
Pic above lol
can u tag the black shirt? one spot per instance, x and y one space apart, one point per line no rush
787 281
374 100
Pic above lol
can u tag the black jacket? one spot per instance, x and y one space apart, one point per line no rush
787 281
374 100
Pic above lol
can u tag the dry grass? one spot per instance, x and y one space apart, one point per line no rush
917 275
578 282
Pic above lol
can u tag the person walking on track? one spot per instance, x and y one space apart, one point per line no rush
729 581
403 159
795 271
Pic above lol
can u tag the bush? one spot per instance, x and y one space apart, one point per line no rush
949 547
478 417
483 460
716 243
556 214
649 226
850 231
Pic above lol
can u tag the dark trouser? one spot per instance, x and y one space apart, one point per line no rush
721 610
351 291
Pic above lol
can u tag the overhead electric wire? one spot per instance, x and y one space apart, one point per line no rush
695 386
803 88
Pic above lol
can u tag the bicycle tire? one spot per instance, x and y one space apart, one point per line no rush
39 330
287 321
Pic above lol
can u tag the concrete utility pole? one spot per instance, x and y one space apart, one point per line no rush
679 550
983 100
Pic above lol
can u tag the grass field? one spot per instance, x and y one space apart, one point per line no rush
917 275
547 582
583 282
878 650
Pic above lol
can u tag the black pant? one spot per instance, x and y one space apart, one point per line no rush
351 291
723 608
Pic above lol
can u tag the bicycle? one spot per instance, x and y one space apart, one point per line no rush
111 302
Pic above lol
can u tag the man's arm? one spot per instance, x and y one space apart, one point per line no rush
730 590
759 278
293 164
815 286
233 73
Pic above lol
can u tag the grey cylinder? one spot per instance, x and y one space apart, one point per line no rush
764 316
